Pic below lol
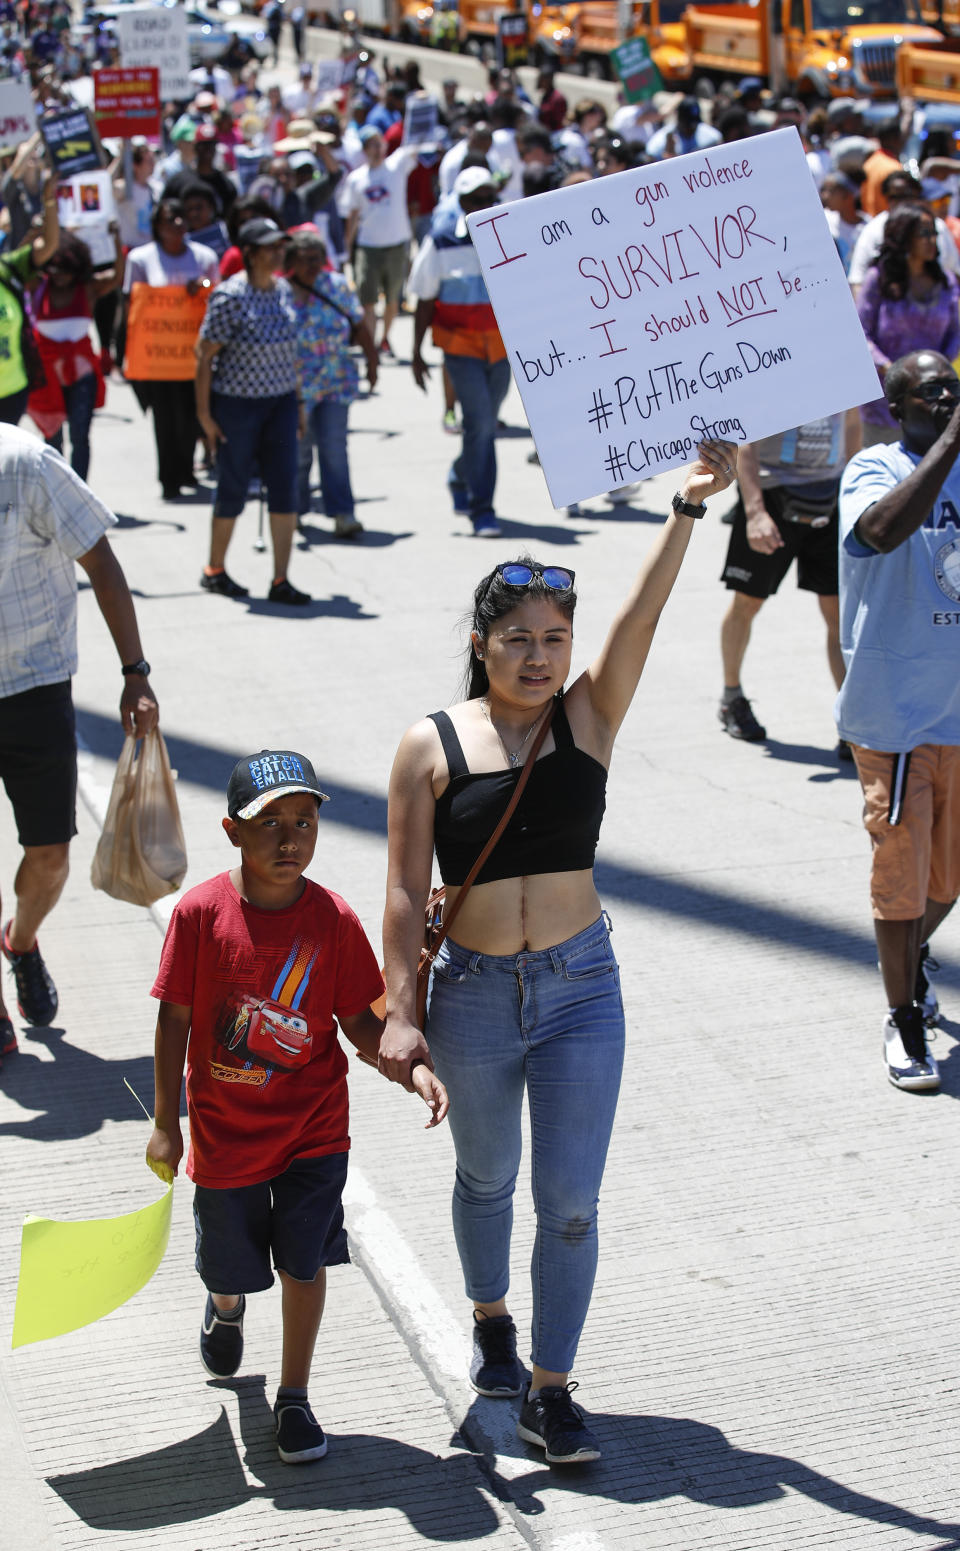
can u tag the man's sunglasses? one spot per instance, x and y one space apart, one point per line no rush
931 391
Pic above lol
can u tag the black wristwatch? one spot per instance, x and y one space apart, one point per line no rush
686 508
141 669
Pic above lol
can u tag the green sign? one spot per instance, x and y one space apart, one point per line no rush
638 74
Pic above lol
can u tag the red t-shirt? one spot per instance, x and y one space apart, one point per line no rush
266 1075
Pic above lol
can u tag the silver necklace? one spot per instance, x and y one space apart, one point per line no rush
513 757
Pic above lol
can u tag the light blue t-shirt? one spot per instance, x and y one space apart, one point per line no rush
899 615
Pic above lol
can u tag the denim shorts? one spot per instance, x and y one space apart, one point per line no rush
297 1217
261 436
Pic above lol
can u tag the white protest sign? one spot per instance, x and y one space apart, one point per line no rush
86 206
18 118
419 119
157 35
328 74
698 297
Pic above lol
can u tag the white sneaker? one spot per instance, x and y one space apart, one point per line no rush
909 1069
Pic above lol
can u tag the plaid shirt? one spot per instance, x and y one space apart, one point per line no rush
48 519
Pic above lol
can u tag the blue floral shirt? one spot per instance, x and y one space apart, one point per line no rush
327 369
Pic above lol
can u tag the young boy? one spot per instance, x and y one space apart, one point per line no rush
256 966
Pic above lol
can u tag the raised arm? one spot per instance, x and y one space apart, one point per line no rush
410 816
611 681
889 522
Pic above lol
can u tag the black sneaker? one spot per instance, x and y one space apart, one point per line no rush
221 1341
738 720
285 592
223 585
299 1434
8 1039
495 1368
924 995
552 1422
37 997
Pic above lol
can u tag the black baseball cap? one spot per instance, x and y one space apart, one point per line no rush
259 233
261 778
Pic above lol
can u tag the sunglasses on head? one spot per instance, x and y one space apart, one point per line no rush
553 576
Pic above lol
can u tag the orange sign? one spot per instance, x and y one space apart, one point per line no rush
162 328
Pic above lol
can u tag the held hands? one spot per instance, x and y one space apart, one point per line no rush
164 1151
139 712
432 1092
402 1044
714 469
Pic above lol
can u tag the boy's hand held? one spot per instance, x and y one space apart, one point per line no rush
433 1093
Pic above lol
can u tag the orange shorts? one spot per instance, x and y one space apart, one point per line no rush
911 811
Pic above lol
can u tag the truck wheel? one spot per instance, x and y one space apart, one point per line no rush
596 68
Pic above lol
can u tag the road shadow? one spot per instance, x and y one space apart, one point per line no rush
623 511
831 767
75 1093
202 1476
540 532
126 522
650 1459
311 536
337 607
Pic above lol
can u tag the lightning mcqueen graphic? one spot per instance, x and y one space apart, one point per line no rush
271 1033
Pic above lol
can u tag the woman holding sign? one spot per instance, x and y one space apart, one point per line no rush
527 996
161 331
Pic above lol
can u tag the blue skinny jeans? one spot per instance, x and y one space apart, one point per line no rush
551 1023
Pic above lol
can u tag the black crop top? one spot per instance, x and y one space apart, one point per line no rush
554 828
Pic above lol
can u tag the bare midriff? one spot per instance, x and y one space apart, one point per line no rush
517 914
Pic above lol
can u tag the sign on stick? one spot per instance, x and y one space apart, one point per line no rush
637 72
157 35
698 297
127 102
70 142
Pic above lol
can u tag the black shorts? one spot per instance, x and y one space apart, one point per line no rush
38 763
297 1217
759 576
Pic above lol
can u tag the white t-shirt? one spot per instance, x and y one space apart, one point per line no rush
379 196
870 240
151 265
299 100
455 157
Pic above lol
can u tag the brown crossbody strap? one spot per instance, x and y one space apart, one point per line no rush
471 878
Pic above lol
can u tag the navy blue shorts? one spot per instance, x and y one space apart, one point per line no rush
261 436
297 1218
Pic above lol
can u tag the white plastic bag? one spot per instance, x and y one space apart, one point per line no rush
141 853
